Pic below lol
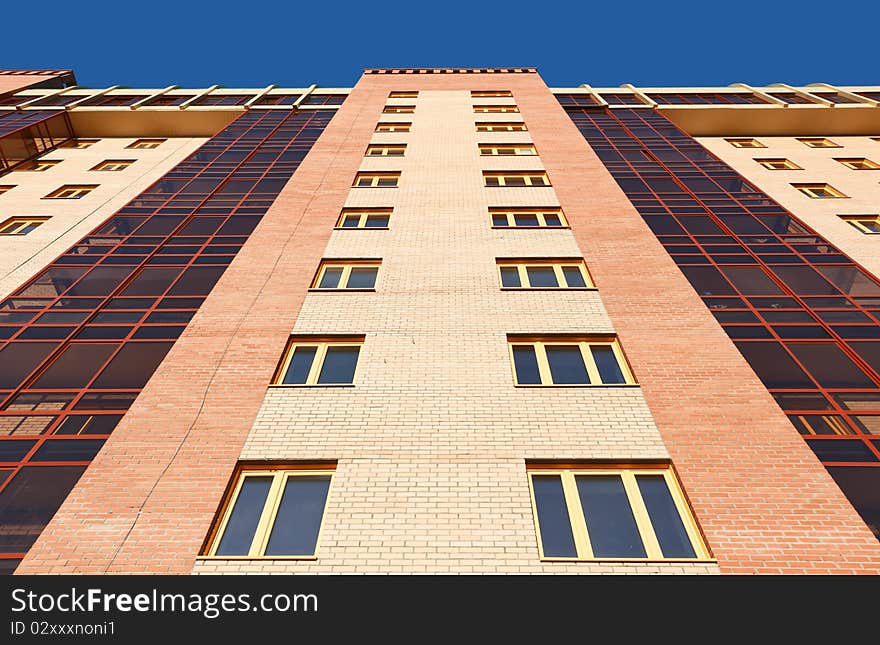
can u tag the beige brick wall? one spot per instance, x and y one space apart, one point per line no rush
21 256
432 440
862 187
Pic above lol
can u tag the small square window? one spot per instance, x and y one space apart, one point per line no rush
146 144
607 512
385 150
745 143
818 142
70 191
376 180
859 163
486 126
544 274
404 95
568 361
495 109
394 127
273 512
113 165
778 164
868 224
20 225
507 150
399 109
79 144
364 218
819 191
336 275
319 361
41 165
527 218
515 179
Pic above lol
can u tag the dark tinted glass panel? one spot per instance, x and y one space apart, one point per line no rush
861 485
830 366
668 527
300 364
557 540
606 361
510 277
14 449
362 278
133 366
76 365
68 450
151 282
842 450
88 424
99 281
499 220
376 221
525 220
552 220
296 526
542 277
752 281
567 364
30 500
707 281
197 281
573 277
774 366
339 365
17 360
242 524
8 566
526 364
330 279
610 521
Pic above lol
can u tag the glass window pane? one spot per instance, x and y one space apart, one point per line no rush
499 219
330 279
68 450
574 277
526 365
861 485
774 366
377 221
552 220
842 450
567 364
557 540
17 360
298 520
542 277
14 449
362 278
510 277
351 221
668 527
76 366
133 366
525 219
830 366
610 521
300 364
242 524
339 365
606 362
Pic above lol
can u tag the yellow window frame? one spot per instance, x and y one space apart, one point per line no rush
385 150
745 143
819 191
39 166
270 510
346 267
818 142
540 213
71 191
80 144
628 475
14 225
487 126
540 346
522 267
363 214
113 165
374 179
491 94
398 109
530 178
519 149
496 109
404 94
321 345
146 144
778 164
402 126
859 163
859 223
5 188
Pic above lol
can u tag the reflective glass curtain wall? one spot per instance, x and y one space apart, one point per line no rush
803 314
25 135
80 339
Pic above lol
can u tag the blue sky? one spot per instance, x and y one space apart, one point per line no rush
251 43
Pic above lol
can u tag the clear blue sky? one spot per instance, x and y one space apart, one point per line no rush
296 43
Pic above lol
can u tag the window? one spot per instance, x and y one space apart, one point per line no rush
404 95
819 191
495 109
544 274
818 142
609 512
564 360
71 192
146 144
778 164
506 150
113 165
6 188
514 179
385 150
79 144
501 127
20 225
38 166
339 274
319 361
868 224
376 180
393 127
363 218
859 163
745 143
527 218
399 109
491 94
273 512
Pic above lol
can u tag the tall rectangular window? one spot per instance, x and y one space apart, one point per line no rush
341 274
273 513
319 361
20 225
527 218
566 361
487 126
512 179
612 513
376 180
544 274
354 218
